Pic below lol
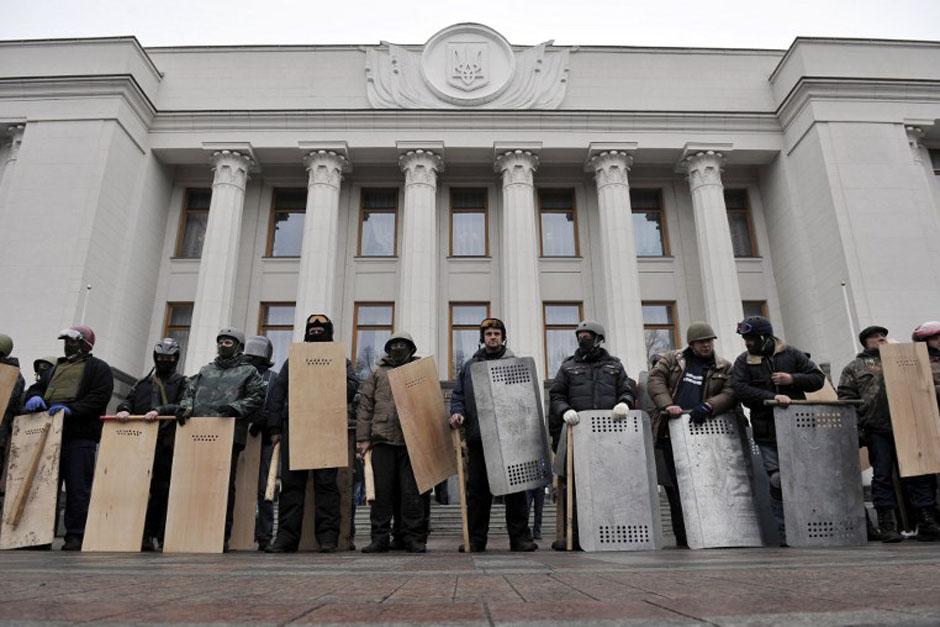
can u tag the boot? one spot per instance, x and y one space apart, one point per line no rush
888 526
377 546
474 548
276 547
927 528
523 545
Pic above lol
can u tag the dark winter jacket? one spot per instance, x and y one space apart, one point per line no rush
753 385
277 406
10 407
664 380
935 369
261 417
863 379
233 382
90 402
461 399
146 395
584 382
376 416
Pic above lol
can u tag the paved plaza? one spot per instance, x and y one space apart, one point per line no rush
876 584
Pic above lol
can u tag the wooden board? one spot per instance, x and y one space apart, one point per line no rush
119 494
8 376
825 394
912 400
308 536
246 497
37 522
423 418
317 405
344 477
202 460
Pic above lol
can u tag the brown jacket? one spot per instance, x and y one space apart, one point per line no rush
664 379
376 416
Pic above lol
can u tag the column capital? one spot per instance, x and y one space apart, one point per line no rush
914 135
517 166
703 168
610 167
421 167
15 133
231 168
325 167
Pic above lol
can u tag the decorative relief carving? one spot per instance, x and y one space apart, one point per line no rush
231 168
704 168
15 132
421 167
914 135
325 167
611 167
466 65
517 167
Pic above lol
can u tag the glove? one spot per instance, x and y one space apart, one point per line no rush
620 411
254 429
182 415
701 413
227 411
55 409
35 404
571 417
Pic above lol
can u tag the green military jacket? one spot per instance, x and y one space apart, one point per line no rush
233 382
863 379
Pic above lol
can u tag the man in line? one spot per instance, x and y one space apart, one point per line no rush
158 394
9 406
258 352
79 386
590 379
695 381
464 412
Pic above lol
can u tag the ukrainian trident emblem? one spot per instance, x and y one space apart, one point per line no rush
467 64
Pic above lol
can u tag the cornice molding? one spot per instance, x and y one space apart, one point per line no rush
82 86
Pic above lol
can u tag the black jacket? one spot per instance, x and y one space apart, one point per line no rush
276 406
584 382
461 399
89 404
752 384
145 396
10 407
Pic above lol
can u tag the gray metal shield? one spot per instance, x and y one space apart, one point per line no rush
512 427
714 484
615 479
820 475
761 488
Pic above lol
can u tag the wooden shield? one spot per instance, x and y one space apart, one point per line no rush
420 405
912 400
246 497
8 376
29 507
317 406
119 494
344 477
202 461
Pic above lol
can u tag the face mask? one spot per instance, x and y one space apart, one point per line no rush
165 368
72 349
317 337
227 352
399 354
587 344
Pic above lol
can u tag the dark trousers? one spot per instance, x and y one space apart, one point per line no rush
291 502
396 494
535 497
155 524
921 490
77 471
264 519
480 502
230 506
672 491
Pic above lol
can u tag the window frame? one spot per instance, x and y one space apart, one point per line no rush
748 216
763 307
167 327
462 327
272 214
486 222
574 213
663 225
673 328
184 213
546 327
374 327
263 308
362 213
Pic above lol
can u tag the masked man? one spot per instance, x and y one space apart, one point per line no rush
258 352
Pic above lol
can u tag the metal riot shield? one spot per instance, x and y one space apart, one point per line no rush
760 486
714 487
512 427
615 482
820 475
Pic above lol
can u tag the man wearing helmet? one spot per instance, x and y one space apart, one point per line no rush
258 352
463 411
79 386
695 381
771 370
290 514
590 379
158 394
229 387
9 407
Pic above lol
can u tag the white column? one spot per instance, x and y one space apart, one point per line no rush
316 281
212 307
418 294
723 308
624 322
522 300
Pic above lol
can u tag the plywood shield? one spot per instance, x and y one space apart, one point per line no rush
8 376
509 411
202 461
317 405
29 505
119 494
246 497
912 400
820 475
420 406
615 481
714 484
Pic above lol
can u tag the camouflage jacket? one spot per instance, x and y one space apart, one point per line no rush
863 379
376 415
233 382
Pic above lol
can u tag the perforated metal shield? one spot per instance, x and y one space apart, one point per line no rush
512 427
615 479
820 475
711 470
760 486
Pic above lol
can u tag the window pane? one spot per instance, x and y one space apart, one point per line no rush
466 342
378 234
469 234
740 234
291 199
194 234
753 308
658 341
380 198
645 199
468 198
181 315
559 344
556 199
370 347
198 198
279 314
288 234
657 314
281 339
374 314
736 199
562 314
181 336
468 314
648 233
935 160
558 234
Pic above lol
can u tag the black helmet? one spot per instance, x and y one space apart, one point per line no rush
492 323
167 346
755 325
259 346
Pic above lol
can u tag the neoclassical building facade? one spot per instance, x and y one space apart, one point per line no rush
421 188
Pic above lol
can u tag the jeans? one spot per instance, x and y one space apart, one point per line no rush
772 465
921 490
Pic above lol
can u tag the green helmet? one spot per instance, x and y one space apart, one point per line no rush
6 345
699 331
